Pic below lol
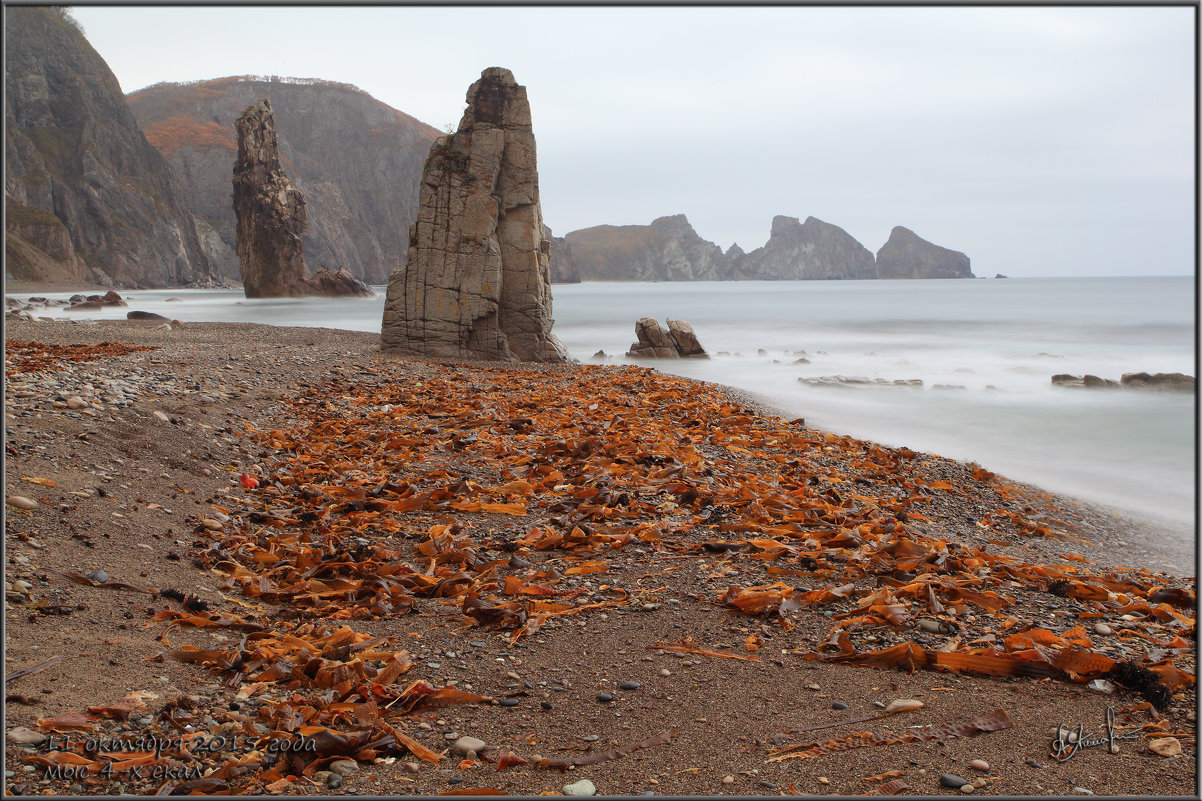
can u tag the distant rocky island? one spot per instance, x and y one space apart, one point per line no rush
134 191
670 250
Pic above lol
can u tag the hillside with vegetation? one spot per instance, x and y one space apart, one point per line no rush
357 160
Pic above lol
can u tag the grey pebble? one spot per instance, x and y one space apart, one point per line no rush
98 576
839 705
508 702
604 698
629 685
951 780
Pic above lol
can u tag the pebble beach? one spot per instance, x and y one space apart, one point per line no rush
320 569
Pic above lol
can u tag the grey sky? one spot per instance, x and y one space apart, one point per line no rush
1040 141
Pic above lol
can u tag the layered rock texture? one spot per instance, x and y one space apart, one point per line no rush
666 250
476 283
907 255
270 211
88 200
358 162
813 250
271 217
676 341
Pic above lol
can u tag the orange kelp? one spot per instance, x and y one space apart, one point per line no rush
490 494
33 357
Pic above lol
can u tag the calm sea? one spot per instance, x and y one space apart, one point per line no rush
994 344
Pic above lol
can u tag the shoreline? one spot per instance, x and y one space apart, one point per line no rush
222 387
1180 524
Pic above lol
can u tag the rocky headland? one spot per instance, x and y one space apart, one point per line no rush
88 200
476 282
666 250
563 262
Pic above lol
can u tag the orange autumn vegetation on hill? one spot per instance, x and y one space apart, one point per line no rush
173 133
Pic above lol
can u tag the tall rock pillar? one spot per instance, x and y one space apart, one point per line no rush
477 281
270 211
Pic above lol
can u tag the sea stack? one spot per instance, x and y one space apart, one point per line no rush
270 211
272 220
477 281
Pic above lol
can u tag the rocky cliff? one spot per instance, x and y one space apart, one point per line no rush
907 255
666 250
357 161
88 199
563 262
813 250
477 281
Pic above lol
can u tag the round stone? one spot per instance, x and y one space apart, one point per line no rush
629 685
582 787
98 576
728 779
464 744
966 788
979 764
1103 629
508 702
604 698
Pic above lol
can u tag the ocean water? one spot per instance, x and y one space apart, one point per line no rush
993 345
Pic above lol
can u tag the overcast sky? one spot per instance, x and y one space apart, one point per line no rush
1039 141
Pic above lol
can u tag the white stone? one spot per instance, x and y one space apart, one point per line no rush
582 787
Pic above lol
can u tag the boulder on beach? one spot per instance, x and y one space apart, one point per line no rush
676 341
145 315
338 283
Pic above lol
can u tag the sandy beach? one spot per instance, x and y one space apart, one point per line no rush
334 567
